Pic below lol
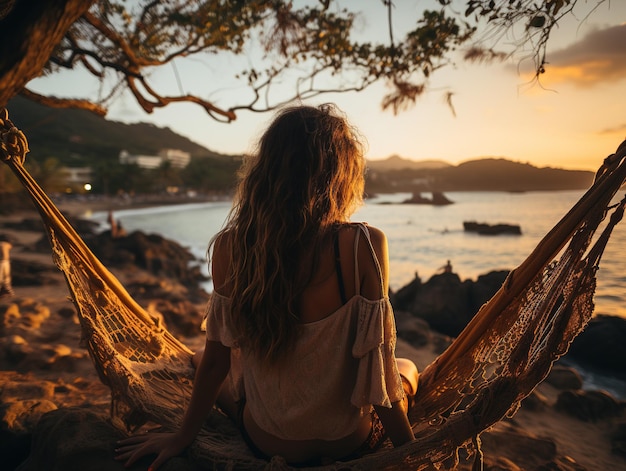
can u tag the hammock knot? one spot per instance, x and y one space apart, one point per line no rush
13 143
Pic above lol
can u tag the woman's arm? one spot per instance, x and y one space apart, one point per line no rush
394 419
210 375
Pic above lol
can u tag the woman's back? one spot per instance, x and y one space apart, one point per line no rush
321 296
342 361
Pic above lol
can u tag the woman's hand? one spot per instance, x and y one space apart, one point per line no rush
164 445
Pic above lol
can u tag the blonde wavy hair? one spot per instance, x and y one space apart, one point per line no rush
306 178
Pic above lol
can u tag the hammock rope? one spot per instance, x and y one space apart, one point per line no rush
503 353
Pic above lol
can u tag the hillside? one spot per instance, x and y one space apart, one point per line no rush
505 175
78 137
478 175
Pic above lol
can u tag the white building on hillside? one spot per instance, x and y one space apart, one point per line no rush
178 158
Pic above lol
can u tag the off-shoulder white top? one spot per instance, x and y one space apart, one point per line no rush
340 367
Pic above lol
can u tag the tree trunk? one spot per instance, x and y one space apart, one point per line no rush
28 35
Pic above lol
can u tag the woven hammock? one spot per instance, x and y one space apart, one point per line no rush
503 353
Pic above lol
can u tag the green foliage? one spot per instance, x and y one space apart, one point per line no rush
310 46
211 175
48 173
530 21
77 138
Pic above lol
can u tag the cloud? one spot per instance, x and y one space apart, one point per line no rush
620 129
599 57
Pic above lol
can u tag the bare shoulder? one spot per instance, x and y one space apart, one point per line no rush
374 267
377 236
220 261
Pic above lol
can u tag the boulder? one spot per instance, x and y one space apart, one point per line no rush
445 302
618 439
81 438
601 346
414 330
30 273
564 378
589 406
17 419
151 252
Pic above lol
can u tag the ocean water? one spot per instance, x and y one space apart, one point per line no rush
422 238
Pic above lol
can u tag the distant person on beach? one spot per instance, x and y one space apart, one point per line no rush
6 289
300 334
116 226
447 268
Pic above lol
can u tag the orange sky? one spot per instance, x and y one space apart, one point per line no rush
573 119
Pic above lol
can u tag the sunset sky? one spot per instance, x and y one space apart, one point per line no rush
573 119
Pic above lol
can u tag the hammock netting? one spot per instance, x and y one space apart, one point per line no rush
503 353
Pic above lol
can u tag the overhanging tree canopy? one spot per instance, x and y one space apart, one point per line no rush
308 43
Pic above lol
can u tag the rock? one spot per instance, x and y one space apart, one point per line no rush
512 449
21 416
404 297
9 316
491 229
517 444
14 349
446 303
535 401
29 273
438 199
414 330
67 313
17 420
563 378
151 252
601 345
182 316
590 406
73 438
618 439
34 314
80 438
23 315
18 387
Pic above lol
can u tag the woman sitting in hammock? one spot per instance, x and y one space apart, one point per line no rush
300 332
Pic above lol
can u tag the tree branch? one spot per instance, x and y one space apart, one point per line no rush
162 101
55 102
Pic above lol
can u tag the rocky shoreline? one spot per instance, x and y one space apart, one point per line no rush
46 374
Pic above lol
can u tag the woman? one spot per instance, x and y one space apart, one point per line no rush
299 322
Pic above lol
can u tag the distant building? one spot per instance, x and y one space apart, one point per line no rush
76 178
178 159
78 175
142 161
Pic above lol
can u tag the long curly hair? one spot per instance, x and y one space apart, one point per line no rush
306 177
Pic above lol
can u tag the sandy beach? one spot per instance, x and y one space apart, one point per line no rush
43 367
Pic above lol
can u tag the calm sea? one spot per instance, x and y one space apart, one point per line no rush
423 238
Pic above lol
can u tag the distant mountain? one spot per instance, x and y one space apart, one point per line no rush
395 162
504 175
78 137
487 174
